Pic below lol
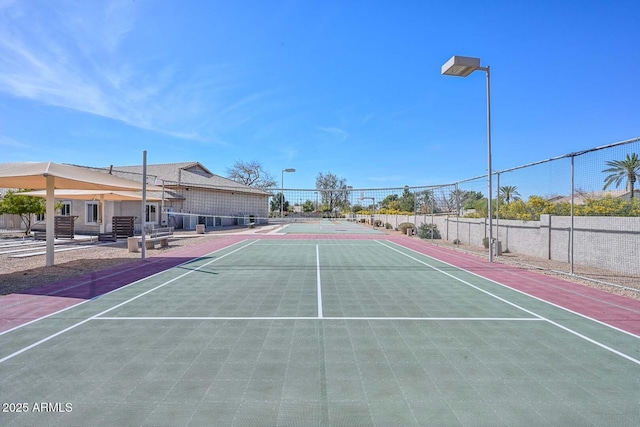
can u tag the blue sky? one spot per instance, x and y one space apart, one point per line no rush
348 87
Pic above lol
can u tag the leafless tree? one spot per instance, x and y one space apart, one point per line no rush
252 174
335 193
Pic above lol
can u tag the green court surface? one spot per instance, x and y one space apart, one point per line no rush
286 332
328 226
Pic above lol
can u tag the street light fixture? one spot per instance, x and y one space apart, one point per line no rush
282 189
462 66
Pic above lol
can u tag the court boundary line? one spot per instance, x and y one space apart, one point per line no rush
475 319
44 317
521 292
86 282
152 261
522 270
318 281
571 331
299 242
461 280
53 294
50 337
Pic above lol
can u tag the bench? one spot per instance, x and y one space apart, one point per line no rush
39 235
156 235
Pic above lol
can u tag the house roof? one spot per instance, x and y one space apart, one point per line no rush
186 173
36 175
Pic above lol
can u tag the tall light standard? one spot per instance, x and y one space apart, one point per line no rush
282 188
349 192
373 210
462 66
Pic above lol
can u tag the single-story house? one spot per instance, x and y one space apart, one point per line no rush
197 196
192 195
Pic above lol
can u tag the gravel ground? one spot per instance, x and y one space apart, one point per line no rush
17 274
605 280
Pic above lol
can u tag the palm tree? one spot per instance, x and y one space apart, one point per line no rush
620 169
509 193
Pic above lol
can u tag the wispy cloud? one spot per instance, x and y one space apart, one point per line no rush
338 133
78 56
289 153
367 118
5 141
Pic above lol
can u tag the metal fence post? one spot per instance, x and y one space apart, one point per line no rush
571 230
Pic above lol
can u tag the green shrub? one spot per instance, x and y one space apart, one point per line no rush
377 223
485 242
457 242
429 231
403 227
388 226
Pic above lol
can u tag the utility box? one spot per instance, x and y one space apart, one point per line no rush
497 247
132 244
200 229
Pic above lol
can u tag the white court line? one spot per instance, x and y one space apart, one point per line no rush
44 317
16 353
319 287
524 293
475 319
584 337
289 242
156 260
87 300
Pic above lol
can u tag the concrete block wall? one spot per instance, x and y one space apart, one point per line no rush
611 243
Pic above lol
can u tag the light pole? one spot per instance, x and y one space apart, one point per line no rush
462 66
282 189
373 210
349 191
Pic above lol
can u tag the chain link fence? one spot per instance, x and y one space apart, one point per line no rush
576 214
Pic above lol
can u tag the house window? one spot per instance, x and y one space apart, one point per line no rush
40 217
93 210
152 213
65 208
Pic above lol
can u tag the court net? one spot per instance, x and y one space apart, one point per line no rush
224 206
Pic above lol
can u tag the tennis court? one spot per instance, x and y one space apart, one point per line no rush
326 226
328 330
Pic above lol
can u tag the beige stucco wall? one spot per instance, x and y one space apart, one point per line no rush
196 201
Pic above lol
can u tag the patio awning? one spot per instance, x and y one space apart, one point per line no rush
49 176
96 195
